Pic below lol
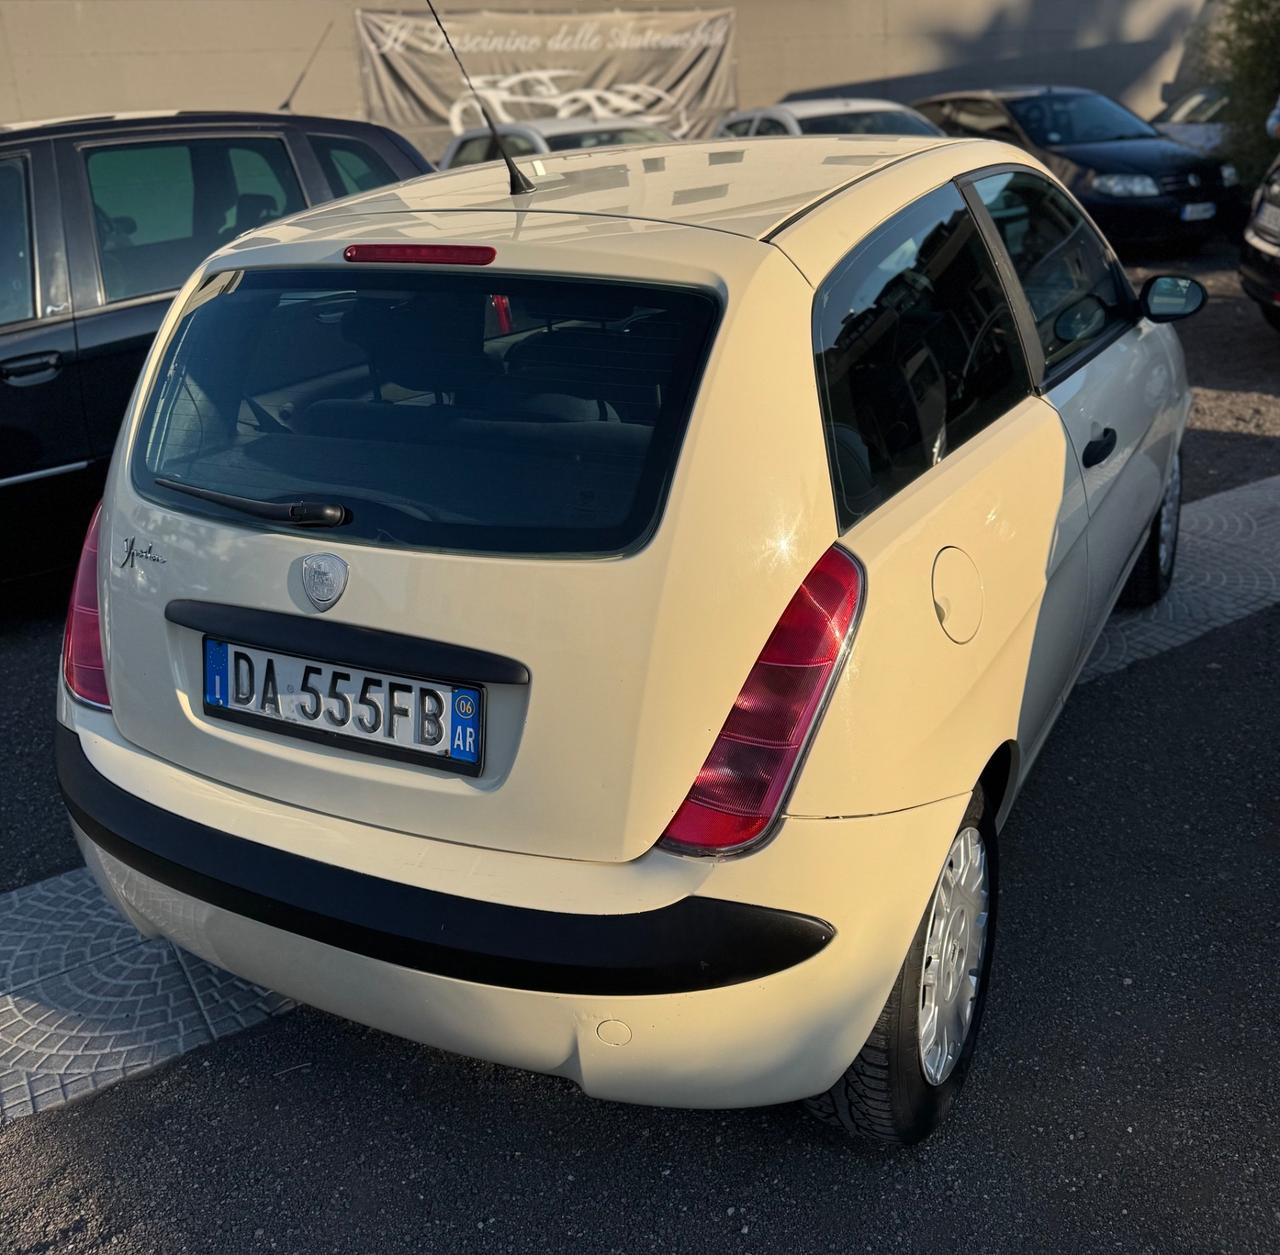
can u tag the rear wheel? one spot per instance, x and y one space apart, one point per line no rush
904 1080
1151 576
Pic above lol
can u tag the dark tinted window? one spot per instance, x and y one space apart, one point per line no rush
1083 118
349 165
740 127
873 122
1065 267
17 291
161 208
771 126
917 351
480 412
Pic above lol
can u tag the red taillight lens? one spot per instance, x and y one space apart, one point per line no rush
423 254
82 666
741 786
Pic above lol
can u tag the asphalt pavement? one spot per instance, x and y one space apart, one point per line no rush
1125 1097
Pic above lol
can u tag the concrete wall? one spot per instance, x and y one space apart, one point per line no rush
85 56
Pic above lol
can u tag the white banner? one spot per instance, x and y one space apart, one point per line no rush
672 68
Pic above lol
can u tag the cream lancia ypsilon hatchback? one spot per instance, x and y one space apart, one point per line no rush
602 630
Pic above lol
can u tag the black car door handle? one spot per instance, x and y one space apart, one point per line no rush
1101 449
34 368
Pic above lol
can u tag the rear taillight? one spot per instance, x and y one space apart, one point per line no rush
743 784
82 666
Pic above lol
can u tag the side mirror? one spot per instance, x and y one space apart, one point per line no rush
1081 320
1166 298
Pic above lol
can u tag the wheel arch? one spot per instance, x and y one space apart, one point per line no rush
998 779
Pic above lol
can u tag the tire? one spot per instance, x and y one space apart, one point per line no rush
1153 573
1272 314
885 1095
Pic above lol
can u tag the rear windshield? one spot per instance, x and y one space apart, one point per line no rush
479 412
873 122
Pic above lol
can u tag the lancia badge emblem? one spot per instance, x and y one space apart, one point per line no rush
324 577
1194 180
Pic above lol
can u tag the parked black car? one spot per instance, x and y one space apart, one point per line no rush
1140 186
1260 253
101 220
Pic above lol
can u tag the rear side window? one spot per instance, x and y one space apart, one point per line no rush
917 351
350 166
770 126
1063 264
607 139
473 412
160 208
740 127
17 290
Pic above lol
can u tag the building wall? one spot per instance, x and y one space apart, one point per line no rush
87 56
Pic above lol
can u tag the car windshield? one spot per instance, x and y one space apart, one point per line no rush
481 412
597 138
868 122
1052 120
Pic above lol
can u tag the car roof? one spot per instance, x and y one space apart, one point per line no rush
94 123
1007 93
745 188
819 106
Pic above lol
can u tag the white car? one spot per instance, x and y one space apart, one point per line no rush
603 630
549 135
829 116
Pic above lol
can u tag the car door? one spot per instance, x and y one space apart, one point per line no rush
1105 370
936 437
142 211
42 430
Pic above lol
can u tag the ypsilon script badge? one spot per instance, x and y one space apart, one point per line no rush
324 576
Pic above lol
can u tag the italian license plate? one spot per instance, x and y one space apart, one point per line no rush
396 716
1200 211
1269 216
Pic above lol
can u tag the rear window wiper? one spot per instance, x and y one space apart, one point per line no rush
299 513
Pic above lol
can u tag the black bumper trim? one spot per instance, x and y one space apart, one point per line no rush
694 944
333 641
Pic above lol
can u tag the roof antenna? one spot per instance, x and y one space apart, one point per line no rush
287 107
520 185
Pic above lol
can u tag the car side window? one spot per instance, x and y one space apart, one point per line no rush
350 165
982 118
1063 264
771 126
17 286
740 127
472 151
917 350
160 207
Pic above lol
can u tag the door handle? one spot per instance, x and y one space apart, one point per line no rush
34 368
1101 449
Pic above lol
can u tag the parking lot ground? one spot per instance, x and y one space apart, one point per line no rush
1125 1097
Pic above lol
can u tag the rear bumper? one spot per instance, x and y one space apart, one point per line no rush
698 986
691 944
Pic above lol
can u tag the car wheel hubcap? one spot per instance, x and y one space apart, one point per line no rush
1170 508
954 945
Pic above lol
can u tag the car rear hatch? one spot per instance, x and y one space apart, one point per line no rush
497 606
